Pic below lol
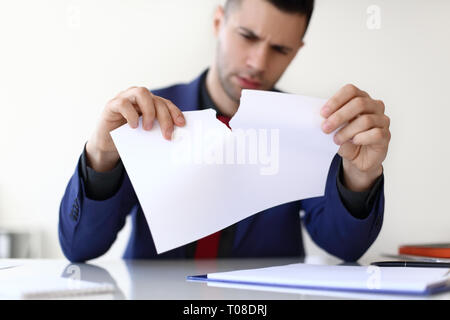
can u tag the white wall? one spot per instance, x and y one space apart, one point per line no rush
60 61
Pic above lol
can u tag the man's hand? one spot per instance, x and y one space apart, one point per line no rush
126 107
364 136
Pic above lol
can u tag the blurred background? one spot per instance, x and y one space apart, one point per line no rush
61 61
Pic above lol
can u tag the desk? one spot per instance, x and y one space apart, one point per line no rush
166 279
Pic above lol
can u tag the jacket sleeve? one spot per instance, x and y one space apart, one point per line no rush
334 228
87 227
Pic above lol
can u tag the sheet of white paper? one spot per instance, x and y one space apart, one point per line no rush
208 177
7 264
361 278
45 287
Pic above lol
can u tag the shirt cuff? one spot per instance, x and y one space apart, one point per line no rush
359 204
100 185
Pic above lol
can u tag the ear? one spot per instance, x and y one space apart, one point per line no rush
301 45
219 17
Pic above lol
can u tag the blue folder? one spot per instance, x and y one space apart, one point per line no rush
358 279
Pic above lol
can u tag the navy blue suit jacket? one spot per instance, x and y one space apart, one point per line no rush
88 228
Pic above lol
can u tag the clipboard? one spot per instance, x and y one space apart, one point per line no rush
358 279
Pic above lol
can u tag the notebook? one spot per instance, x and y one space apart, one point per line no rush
435 250
372 279
50 288
7 265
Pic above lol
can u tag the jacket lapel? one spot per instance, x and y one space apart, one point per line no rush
241 230
190 94
184 96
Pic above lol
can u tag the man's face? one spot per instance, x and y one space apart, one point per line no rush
256 43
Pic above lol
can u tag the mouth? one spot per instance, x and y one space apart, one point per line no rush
246 83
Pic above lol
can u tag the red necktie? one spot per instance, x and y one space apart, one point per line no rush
208 247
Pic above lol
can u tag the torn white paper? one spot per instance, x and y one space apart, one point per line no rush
208 177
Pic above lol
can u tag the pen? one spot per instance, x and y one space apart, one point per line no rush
417 264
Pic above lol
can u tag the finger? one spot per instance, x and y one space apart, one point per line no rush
123 91
142 98
164 118
176 113
355 107
375 136
349 150
124 107
343 96
360 124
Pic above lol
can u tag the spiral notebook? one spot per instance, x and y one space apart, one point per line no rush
367 279
50 288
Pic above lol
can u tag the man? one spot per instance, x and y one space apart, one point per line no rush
256 41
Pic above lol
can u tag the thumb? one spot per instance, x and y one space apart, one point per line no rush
349 151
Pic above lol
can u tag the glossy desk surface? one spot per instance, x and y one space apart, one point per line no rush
166 279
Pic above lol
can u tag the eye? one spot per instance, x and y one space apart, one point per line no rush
248 36
280 50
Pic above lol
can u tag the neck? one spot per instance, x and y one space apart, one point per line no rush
227 106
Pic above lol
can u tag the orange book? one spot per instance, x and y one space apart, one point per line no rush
436 250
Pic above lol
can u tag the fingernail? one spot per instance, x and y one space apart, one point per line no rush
180 119
325 111
326 126
168 134
337 140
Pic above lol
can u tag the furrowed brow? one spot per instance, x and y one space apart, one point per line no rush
279 47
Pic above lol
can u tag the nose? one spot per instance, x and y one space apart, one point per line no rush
258 57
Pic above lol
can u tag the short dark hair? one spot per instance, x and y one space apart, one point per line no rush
302 7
